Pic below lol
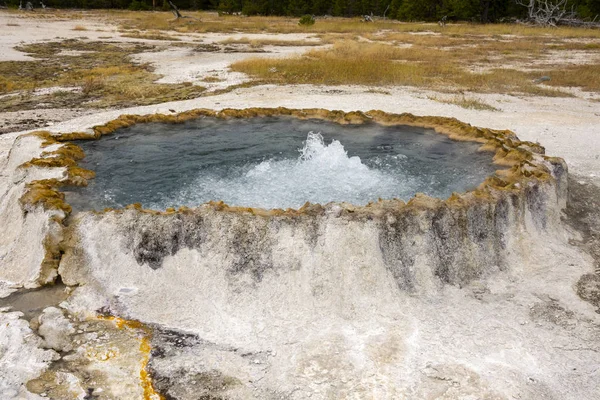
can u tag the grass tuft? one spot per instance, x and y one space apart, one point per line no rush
211 79
258 43
465 102
150 36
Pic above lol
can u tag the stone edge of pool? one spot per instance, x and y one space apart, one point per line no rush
509 152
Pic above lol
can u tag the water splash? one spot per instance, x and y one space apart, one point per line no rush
321 174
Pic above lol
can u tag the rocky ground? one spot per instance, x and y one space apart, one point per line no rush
532 332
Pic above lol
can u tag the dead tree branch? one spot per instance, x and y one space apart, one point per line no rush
547 12
175 10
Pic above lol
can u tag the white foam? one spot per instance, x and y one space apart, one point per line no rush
321 174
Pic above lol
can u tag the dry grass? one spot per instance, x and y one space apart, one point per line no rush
212 22
435 62
61 93
501 58
506 56
585 77
153 35
351 62
79 28
258 43
211 79
105 73
465 102
6 85
378 91
91 85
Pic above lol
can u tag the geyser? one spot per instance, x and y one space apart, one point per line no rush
314 301
274 162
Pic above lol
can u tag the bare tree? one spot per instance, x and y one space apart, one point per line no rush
547 12
386 10
175 10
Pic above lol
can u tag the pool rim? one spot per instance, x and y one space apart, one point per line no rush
526 161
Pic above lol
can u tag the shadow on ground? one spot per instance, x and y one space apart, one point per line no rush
583 214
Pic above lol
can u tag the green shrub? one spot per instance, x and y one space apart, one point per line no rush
306 20
139 6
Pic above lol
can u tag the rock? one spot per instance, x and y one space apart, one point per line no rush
588 289
21 356
542 79
56 330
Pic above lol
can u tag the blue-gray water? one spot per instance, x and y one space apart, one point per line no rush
273 163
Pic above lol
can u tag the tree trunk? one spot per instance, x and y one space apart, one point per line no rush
175 10
485 8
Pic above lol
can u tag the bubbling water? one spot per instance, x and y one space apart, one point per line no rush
321 174
276 162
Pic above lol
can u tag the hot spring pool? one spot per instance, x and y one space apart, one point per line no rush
274 162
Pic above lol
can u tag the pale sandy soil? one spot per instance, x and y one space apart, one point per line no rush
17 30
556 58
37 119
188 65
523 335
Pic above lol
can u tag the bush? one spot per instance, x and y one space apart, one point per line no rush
228 7
6 85
91 85
138 6
306 20
251 9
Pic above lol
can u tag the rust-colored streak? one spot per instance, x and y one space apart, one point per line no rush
145 349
